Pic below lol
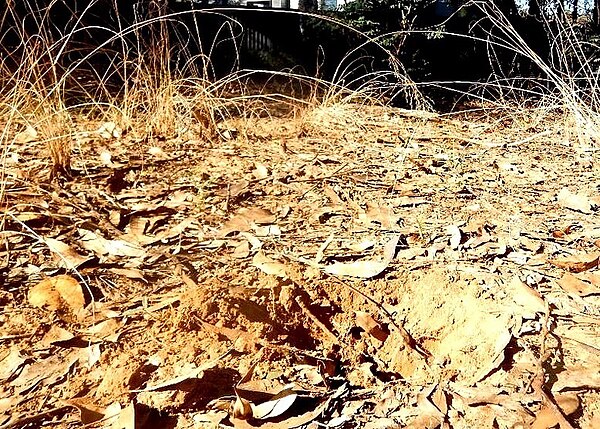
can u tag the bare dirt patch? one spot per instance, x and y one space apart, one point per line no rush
358 266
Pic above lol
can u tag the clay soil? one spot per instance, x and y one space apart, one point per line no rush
350 266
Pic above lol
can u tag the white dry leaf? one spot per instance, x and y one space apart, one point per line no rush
362 246
92 354
28 135
123 248
411 253
66 255
7 404
362 269
321 252
267 231
101 246
455 236
106 158
10 363
366 269
260 172
109 130
126 418
576 202
274 407
254 242
268 265
507 166
12 158
525 297
157 152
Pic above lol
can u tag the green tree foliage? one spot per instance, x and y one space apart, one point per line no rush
386 20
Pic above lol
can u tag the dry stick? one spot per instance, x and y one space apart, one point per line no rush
318 179
317 322
409 341
528 139
14 337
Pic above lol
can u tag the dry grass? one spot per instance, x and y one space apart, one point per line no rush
48 93
565 86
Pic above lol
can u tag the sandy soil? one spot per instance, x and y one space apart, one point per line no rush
355 266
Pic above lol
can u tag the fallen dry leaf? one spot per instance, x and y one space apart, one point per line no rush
10 363
274 407
577 263
576 379
455 236
125 419
109 130
365 269
67 256
58 293
89 412
131 273
28 135
241 250
56 334
291 422
380 214
576 285
241 409
429 416
106 330
187 371
362 269
575 202
261 171
106 158
495 360
370 325
546 418
101 246
45 371
526 297
247 218
268 265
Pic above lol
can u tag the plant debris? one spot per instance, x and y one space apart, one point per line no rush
386 269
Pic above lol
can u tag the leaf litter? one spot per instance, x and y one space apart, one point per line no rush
380 268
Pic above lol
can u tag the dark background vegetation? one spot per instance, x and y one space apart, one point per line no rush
436 41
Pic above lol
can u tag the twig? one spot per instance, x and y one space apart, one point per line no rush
409 341
317 322
14 337
528 139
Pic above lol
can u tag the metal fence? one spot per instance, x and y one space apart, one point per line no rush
256 41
